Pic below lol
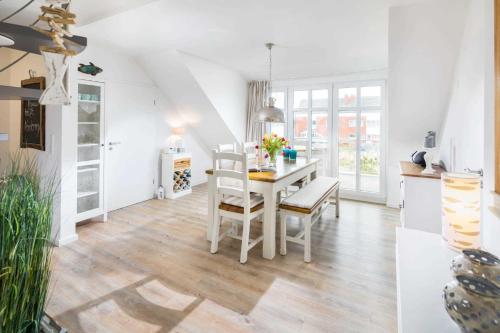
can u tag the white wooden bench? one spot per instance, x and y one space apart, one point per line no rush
308 204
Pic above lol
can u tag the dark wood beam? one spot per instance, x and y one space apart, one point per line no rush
29 40
16 93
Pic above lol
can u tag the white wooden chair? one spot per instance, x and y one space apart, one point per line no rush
227 148
249 148
235 203
308 204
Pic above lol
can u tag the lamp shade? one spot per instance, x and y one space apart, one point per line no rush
6 41
461 210
178 131
270 113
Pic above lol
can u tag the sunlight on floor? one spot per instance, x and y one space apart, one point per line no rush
108 314
158 294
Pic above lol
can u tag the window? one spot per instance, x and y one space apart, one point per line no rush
360 109
311 112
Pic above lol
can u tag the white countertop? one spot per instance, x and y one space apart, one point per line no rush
423 268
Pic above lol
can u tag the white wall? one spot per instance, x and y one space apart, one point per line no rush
424 40
491 200
121 74
175 80
226 89
462 133
469 126
10 111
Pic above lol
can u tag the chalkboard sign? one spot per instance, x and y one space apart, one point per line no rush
33 117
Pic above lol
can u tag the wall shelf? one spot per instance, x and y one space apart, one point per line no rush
86 163
88 170
88 145
88 101
86 194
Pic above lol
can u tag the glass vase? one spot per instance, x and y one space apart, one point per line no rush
272 157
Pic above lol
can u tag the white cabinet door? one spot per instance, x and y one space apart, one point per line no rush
90 166
131 147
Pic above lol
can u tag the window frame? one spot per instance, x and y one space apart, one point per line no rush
359 110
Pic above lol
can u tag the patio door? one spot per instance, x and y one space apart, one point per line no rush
310 124
360 109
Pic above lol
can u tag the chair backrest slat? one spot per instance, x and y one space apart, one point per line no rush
249 148
227 148
229 156
229 174
240 175
230 190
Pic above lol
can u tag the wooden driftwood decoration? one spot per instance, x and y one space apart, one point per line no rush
58 20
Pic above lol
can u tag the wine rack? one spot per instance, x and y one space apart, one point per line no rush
182 180
176 174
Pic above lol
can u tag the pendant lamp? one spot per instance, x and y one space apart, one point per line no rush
269 113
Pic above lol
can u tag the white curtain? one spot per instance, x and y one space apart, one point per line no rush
257 95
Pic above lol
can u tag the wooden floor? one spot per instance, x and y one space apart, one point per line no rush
148 269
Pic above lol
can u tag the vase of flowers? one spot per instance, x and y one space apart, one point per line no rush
273 144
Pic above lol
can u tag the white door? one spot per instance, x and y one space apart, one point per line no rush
90 150
131 149
360 110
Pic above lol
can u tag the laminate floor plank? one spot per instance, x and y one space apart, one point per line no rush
149 269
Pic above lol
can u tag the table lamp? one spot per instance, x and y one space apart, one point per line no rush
461 210
429 145
176 138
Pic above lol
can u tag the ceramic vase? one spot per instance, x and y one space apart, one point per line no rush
473 303
478 263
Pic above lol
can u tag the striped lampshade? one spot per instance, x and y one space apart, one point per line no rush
461 210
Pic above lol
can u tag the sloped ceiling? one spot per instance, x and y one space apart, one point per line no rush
88 10
314 38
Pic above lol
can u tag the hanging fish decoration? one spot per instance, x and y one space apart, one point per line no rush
90 69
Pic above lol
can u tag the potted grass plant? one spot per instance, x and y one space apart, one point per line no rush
25 246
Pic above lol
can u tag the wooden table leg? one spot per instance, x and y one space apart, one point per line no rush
211 198
269 226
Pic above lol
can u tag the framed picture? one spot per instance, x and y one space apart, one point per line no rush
33 117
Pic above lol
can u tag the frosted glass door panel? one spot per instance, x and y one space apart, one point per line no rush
90 150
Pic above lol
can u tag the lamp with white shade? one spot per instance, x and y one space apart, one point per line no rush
429 146
6 41
461 210
175 140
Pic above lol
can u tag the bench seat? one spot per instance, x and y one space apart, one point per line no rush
307 203
308 199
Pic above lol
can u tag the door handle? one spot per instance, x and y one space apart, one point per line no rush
114 143
477 172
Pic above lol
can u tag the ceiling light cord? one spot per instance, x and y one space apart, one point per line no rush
18 11
32 24
14 62
270 69
270 85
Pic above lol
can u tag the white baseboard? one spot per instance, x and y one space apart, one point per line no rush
66 240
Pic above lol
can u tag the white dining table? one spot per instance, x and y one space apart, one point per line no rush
269 184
